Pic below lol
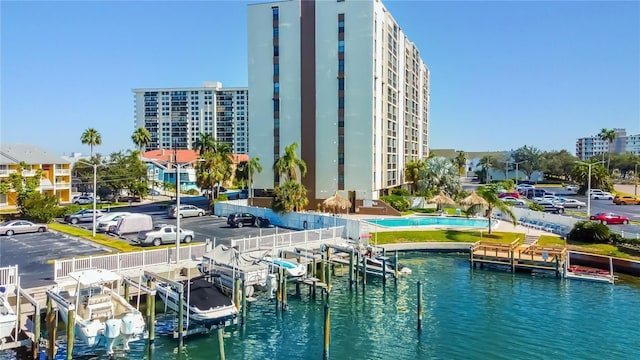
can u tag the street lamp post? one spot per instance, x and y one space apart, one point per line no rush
517 174
95 181
635 182
589 164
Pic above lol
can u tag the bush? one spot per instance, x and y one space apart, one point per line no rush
400 192
192 192
397 202
536 207
69 209
425 210
40 207
590 232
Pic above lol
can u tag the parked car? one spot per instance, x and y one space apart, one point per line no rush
522 188
534 193
573 187
513 201
509 194
153 192
602 195
185 211
20 227
128 198
133 224
626 200
163 234
82 200
570 203
109 221
609 218
551 207
241 219
82 216
546 197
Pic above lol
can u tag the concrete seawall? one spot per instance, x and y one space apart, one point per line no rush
430 246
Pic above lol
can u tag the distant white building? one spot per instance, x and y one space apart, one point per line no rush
177 116
589 147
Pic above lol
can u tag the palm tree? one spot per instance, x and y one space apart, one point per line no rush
439 175
214 168
486 163
412 173
290 196
205 143
288 165
608 135
141 137
461 161
253 166
599 176
490 194
92 138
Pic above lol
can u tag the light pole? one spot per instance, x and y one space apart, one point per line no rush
178 167
95 176
517 174
635 183
589 164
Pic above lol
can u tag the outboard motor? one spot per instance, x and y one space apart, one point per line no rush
131 325
111 333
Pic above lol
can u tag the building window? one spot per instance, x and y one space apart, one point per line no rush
341 26
341 65
276 88
340 83
276 105
275 32
276 12
341 46
276 69
276 50
340 103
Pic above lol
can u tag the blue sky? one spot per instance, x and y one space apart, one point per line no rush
503 74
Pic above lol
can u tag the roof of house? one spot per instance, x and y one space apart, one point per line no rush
30 154
238 158
167 155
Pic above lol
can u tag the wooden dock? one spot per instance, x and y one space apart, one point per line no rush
519 257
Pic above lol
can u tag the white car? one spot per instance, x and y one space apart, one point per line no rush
108 222
603 195
573 187
570 203
82 200
513 201
163 234
524 187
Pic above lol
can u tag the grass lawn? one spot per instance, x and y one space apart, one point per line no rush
394 237
101 239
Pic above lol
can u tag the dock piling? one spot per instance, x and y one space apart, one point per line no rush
221 342
327 329
244 303
364 273
181 318
419 306
151 314
351 269
384 270
395 266
71 322
51 329
284 293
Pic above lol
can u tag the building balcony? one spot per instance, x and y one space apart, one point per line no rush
62 172
6 172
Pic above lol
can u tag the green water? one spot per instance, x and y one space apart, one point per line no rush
468 314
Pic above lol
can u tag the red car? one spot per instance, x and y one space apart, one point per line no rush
609 218
512 194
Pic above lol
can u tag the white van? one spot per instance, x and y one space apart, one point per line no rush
109 221
134 223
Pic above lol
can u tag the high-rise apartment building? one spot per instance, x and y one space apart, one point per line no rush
589 147
342 80
177 116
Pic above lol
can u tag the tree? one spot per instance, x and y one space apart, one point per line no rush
490 194
287 165
486 163
214 168
141 137
290 196
529 159
439 175
461 162
412 172
40 207
608 135
92 138
253 166
23 184
205 143
599 177
557 164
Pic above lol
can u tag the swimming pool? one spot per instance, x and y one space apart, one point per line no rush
430 221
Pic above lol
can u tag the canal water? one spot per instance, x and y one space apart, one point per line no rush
468 314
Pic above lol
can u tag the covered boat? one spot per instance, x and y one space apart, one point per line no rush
226 264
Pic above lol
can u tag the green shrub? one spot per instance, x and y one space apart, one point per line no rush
536 207
425 211
192 192
68 209
397 202
40 207
590 232
400 192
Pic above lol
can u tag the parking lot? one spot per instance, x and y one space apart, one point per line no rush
32 252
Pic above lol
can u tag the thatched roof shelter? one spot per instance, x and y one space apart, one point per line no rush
336 203
474 199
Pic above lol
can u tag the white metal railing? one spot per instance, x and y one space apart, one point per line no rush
28 173
62 171
306 238
6 172
9 276
124 261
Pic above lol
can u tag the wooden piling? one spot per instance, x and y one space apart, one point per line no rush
237 292
181 318
151 314
327 329
221 342
314 288
127 290
284 293
328 277
322 269
36 333
51 329
364 273
244 303
419 306
71 322
395 266
351 269
384 271
355 270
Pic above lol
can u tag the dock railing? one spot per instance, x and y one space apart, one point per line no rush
125 261
306 238
9 276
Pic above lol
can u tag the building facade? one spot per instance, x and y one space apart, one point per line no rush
342 80
589 147
177 116
29 161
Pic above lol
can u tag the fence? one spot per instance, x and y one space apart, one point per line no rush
125 261
304 239
9 276
293 220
